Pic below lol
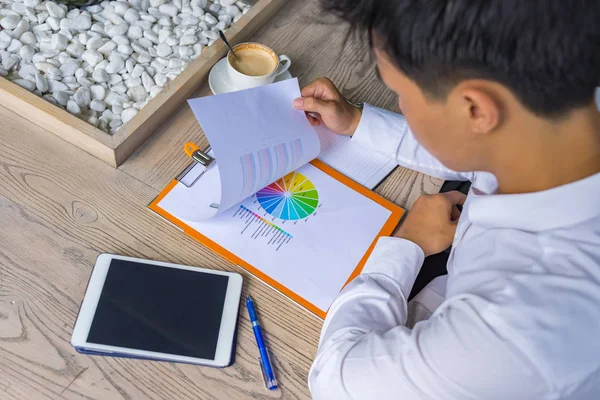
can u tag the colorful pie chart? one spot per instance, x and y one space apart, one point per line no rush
292 197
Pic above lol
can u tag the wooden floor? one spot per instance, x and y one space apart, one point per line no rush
60 208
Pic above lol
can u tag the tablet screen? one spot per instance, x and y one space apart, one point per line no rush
154 308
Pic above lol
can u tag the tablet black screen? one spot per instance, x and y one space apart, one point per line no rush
154 308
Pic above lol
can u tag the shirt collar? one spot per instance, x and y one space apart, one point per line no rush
558 207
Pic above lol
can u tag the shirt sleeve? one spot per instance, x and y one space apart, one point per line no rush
366 351
389 133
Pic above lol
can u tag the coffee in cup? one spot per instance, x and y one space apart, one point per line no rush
255 65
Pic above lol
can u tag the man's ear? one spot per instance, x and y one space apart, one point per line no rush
482 108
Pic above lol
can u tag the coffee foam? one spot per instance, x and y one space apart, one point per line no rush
253 59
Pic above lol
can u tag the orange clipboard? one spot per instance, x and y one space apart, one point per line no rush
396 214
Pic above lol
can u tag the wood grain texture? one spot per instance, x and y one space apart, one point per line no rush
58 214
61 207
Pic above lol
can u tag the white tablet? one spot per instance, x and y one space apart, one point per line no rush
161 311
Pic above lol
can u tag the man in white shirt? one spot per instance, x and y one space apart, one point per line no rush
504 87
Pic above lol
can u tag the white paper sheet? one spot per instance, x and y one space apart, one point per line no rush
363 165
257 137
308 232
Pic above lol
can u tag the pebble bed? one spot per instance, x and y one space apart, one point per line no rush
103 63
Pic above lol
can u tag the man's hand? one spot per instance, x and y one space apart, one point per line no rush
432 221
327 106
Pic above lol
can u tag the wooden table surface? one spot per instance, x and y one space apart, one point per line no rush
60 208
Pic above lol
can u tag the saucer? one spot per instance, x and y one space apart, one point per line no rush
220 82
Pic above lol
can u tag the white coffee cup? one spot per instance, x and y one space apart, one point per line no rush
268 65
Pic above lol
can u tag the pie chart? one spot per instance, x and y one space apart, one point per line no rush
292 197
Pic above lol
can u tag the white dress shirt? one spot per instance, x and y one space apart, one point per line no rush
520 311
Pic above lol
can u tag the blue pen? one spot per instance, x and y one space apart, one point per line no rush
265 363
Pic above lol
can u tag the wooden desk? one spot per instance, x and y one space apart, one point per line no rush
60 208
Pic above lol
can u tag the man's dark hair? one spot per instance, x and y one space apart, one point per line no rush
547 52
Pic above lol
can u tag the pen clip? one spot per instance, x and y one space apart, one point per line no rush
271 384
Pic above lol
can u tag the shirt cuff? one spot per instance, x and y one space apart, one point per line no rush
380 130
400 259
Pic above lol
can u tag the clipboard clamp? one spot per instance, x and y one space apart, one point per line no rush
198 155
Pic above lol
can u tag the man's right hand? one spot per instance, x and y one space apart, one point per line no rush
327 106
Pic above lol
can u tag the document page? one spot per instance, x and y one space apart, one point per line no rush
363 165
257 137
307 230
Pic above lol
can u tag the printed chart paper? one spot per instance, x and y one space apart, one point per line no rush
257 137
307 230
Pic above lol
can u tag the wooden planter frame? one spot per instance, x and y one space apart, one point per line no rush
114 149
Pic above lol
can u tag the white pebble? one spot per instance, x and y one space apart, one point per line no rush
133 82
125 49
120 39
210 19
147 81
128 114
119 29
26 38
55 10
210 35
116 65
97 105
131 15
54 86
185 52
47 68
114 79
145 43
73 107
54 23
107 47
3 72
155 90
98 28
188 40
163 50
68 68
98 92
41 82
61 97
21 28
59 42
160 79
31 3
168 9
233 11
120 8
80 23
10 22
100 75
92 57
74 13
83 97
15 46
94 43
75 49
144 58
134 32
137 71
25 84
118 88
151 36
